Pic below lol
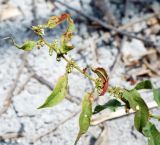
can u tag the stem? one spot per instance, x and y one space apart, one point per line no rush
79 69
117 93
155 116
69 61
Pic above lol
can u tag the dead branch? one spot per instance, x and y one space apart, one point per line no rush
11 136
151 67
107 26
130 24
102 139
119 54
142 19
104 7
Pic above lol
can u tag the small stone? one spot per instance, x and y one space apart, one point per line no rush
147 32
83 30
155 29
133 50
152 21
75 4
137 27
87 1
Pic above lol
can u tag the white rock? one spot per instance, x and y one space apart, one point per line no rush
133 50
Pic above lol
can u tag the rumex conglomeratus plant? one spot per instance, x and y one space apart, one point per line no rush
130 99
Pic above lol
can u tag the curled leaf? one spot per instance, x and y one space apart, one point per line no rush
144 85
56 20
65 47
65 44
85 116
101 85
152 133
67 36
138 105
58 93
27 46
53 22
111 104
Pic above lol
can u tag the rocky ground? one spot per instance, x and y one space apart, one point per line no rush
26 79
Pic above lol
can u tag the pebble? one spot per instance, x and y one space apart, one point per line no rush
155 29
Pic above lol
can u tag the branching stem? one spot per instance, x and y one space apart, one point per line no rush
69 61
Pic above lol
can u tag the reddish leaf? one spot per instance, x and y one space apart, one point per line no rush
102 74
65 44
104 89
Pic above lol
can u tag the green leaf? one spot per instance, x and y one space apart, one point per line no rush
111 104
156 94
141 118
144 85
28 45
152 133
58 93
65 47
85 116
138 105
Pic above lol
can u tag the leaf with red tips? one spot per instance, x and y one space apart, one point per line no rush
102 82
66 37
56 20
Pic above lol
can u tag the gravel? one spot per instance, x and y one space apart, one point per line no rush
23 115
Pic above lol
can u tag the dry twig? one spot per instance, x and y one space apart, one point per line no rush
104 7
130 24
151 67
102 139
106 26
11 136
